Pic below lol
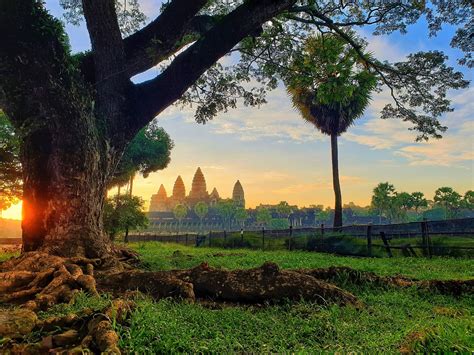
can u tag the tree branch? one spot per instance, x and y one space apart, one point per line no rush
164 35
155 95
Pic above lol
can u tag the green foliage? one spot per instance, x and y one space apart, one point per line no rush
180 211
468 200
279 223
449 199
330 86
201 209
226 209
418 200
263 215
149 151
284 209
382 198
123 212
10 166
241 215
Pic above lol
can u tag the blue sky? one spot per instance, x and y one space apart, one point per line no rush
277 156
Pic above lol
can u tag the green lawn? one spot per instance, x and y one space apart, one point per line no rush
433 322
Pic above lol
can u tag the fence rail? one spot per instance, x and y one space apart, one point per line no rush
449 237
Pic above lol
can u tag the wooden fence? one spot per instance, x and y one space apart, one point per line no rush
448 237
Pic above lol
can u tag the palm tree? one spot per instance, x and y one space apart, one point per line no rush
331 88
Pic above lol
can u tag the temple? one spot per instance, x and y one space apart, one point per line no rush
160 202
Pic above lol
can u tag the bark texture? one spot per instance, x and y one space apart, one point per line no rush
335 182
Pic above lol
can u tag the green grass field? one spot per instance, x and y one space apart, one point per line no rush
392 319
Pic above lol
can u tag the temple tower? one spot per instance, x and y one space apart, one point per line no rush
214 197
159 201
179 191
238 194
198 189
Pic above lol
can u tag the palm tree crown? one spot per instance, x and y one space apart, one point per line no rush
332 87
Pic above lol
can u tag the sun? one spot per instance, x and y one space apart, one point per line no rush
14 212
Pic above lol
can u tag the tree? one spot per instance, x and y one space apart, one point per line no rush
382 199
332 91
226 209
241 216
449 199
78 112
284 210
10 166
149 151
468 200
418 200
201 209
180 211
263 215
122 213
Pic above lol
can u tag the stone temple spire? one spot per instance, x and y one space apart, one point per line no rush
198 189
159 201
179 191
238 194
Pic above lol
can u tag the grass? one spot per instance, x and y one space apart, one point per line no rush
159 256
391 319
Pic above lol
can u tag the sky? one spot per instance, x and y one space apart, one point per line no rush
278 157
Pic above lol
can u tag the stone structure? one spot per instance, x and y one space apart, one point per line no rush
238 194
160 202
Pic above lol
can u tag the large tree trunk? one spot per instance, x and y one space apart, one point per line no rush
335 182
64 189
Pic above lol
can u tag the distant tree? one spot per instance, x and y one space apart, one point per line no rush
324 214
418 200
284 210
10 166
149 151
468 200
263 216
241 216
449 199
279 223
122 213
382 199
180 211
226 209
201 209
331 89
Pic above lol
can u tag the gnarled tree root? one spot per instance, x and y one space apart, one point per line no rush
342 274
41 280
91 331
263 284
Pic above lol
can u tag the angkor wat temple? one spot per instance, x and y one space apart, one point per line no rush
160 202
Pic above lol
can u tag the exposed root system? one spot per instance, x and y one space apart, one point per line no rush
39 280
71 334
341 274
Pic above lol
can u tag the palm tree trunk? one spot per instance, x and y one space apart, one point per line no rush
335 182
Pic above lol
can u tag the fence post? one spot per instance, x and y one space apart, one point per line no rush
263 238
186 239
385 242
322 230
369 239
210 232
424 238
